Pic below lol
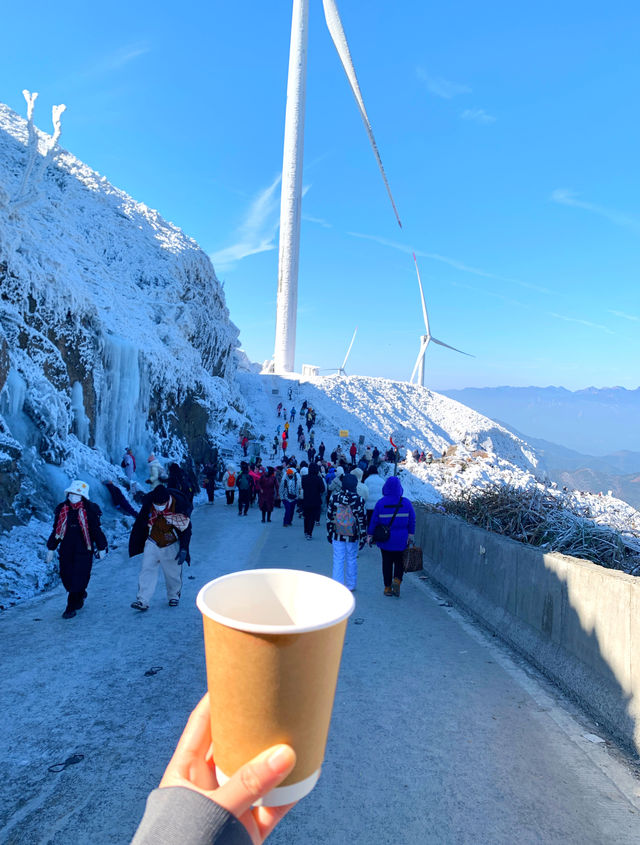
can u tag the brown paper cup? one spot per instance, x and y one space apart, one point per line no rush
273 641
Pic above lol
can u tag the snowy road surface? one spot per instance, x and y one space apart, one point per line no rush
438 735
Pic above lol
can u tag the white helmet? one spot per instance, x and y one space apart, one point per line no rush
80 488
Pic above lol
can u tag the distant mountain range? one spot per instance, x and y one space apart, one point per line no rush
618 472
572 432
594 421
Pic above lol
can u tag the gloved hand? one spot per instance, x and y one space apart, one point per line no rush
181 556
411 539
102 554
50 554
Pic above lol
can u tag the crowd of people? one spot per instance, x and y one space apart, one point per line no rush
362 506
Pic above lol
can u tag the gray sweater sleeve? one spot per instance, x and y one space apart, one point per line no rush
176 815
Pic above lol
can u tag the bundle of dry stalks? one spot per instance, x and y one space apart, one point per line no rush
539 517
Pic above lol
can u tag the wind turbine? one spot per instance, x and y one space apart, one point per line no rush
427 338
341 370
291 197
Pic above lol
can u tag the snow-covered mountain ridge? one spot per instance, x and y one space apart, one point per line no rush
480 453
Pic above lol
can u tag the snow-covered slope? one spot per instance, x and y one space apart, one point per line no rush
113 331
479 452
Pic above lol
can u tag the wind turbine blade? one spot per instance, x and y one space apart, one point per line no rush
424 305
423 349
334 24
344 363
440 343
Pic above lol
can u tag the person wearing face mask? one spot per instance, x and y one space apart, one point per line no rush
162 533
76 531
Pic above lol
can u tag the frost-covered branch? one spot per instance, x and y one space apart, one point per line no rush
34 172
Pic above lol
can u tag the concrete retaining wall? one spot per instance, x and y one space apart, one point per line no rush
577 622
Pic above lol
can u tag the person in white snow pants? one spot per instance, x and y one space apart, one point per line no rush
155 558
162 531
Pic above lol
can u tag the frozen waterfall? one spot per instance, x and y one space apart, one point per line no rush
122 398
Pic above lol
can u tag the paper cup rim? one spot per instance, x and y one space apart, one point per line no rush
254 627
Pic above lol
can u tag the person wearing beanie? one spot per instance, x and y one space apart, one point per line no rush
162 533
290 489
76 531
395 512
346 530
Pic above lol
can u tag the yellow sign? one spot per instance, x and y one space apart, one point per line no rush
344 432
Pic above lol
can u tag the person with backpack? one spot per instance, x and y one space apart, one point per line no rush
128 464
244 483
178 481
292 416
346 531
289 491
392 528
279 408
321 450
162 532
229 484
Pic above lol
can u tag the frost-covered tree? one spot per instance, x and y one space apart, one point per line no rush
36 165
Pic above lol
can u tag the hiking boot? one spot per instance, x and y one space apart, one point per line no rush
137 605
173 602
69 613
387 591
395 587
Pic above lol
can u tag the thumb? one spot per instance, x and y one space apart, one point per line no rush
255 779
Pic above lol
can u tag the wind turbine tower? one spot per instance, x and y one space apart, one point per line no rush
427 338
291 196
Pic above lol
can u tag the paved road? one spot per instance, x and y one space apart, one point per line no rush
438 736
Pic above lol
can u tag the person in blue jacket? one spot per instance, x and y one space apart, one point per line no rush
402 526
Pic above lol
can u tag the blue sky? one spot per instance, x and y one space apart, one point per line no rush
509 133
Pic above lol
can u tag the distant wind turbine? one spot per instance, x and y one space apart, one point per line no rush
341 370
427 338
291 198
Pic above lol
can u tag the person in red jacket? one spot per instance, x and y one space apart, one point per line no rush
267 487
353 452
244 443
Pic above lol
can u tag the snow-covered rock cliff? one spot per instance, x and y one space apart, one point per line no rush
113 330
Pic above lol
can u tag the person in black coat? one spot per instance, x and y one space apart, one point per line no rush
119 499
313 488
162 532
76 532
